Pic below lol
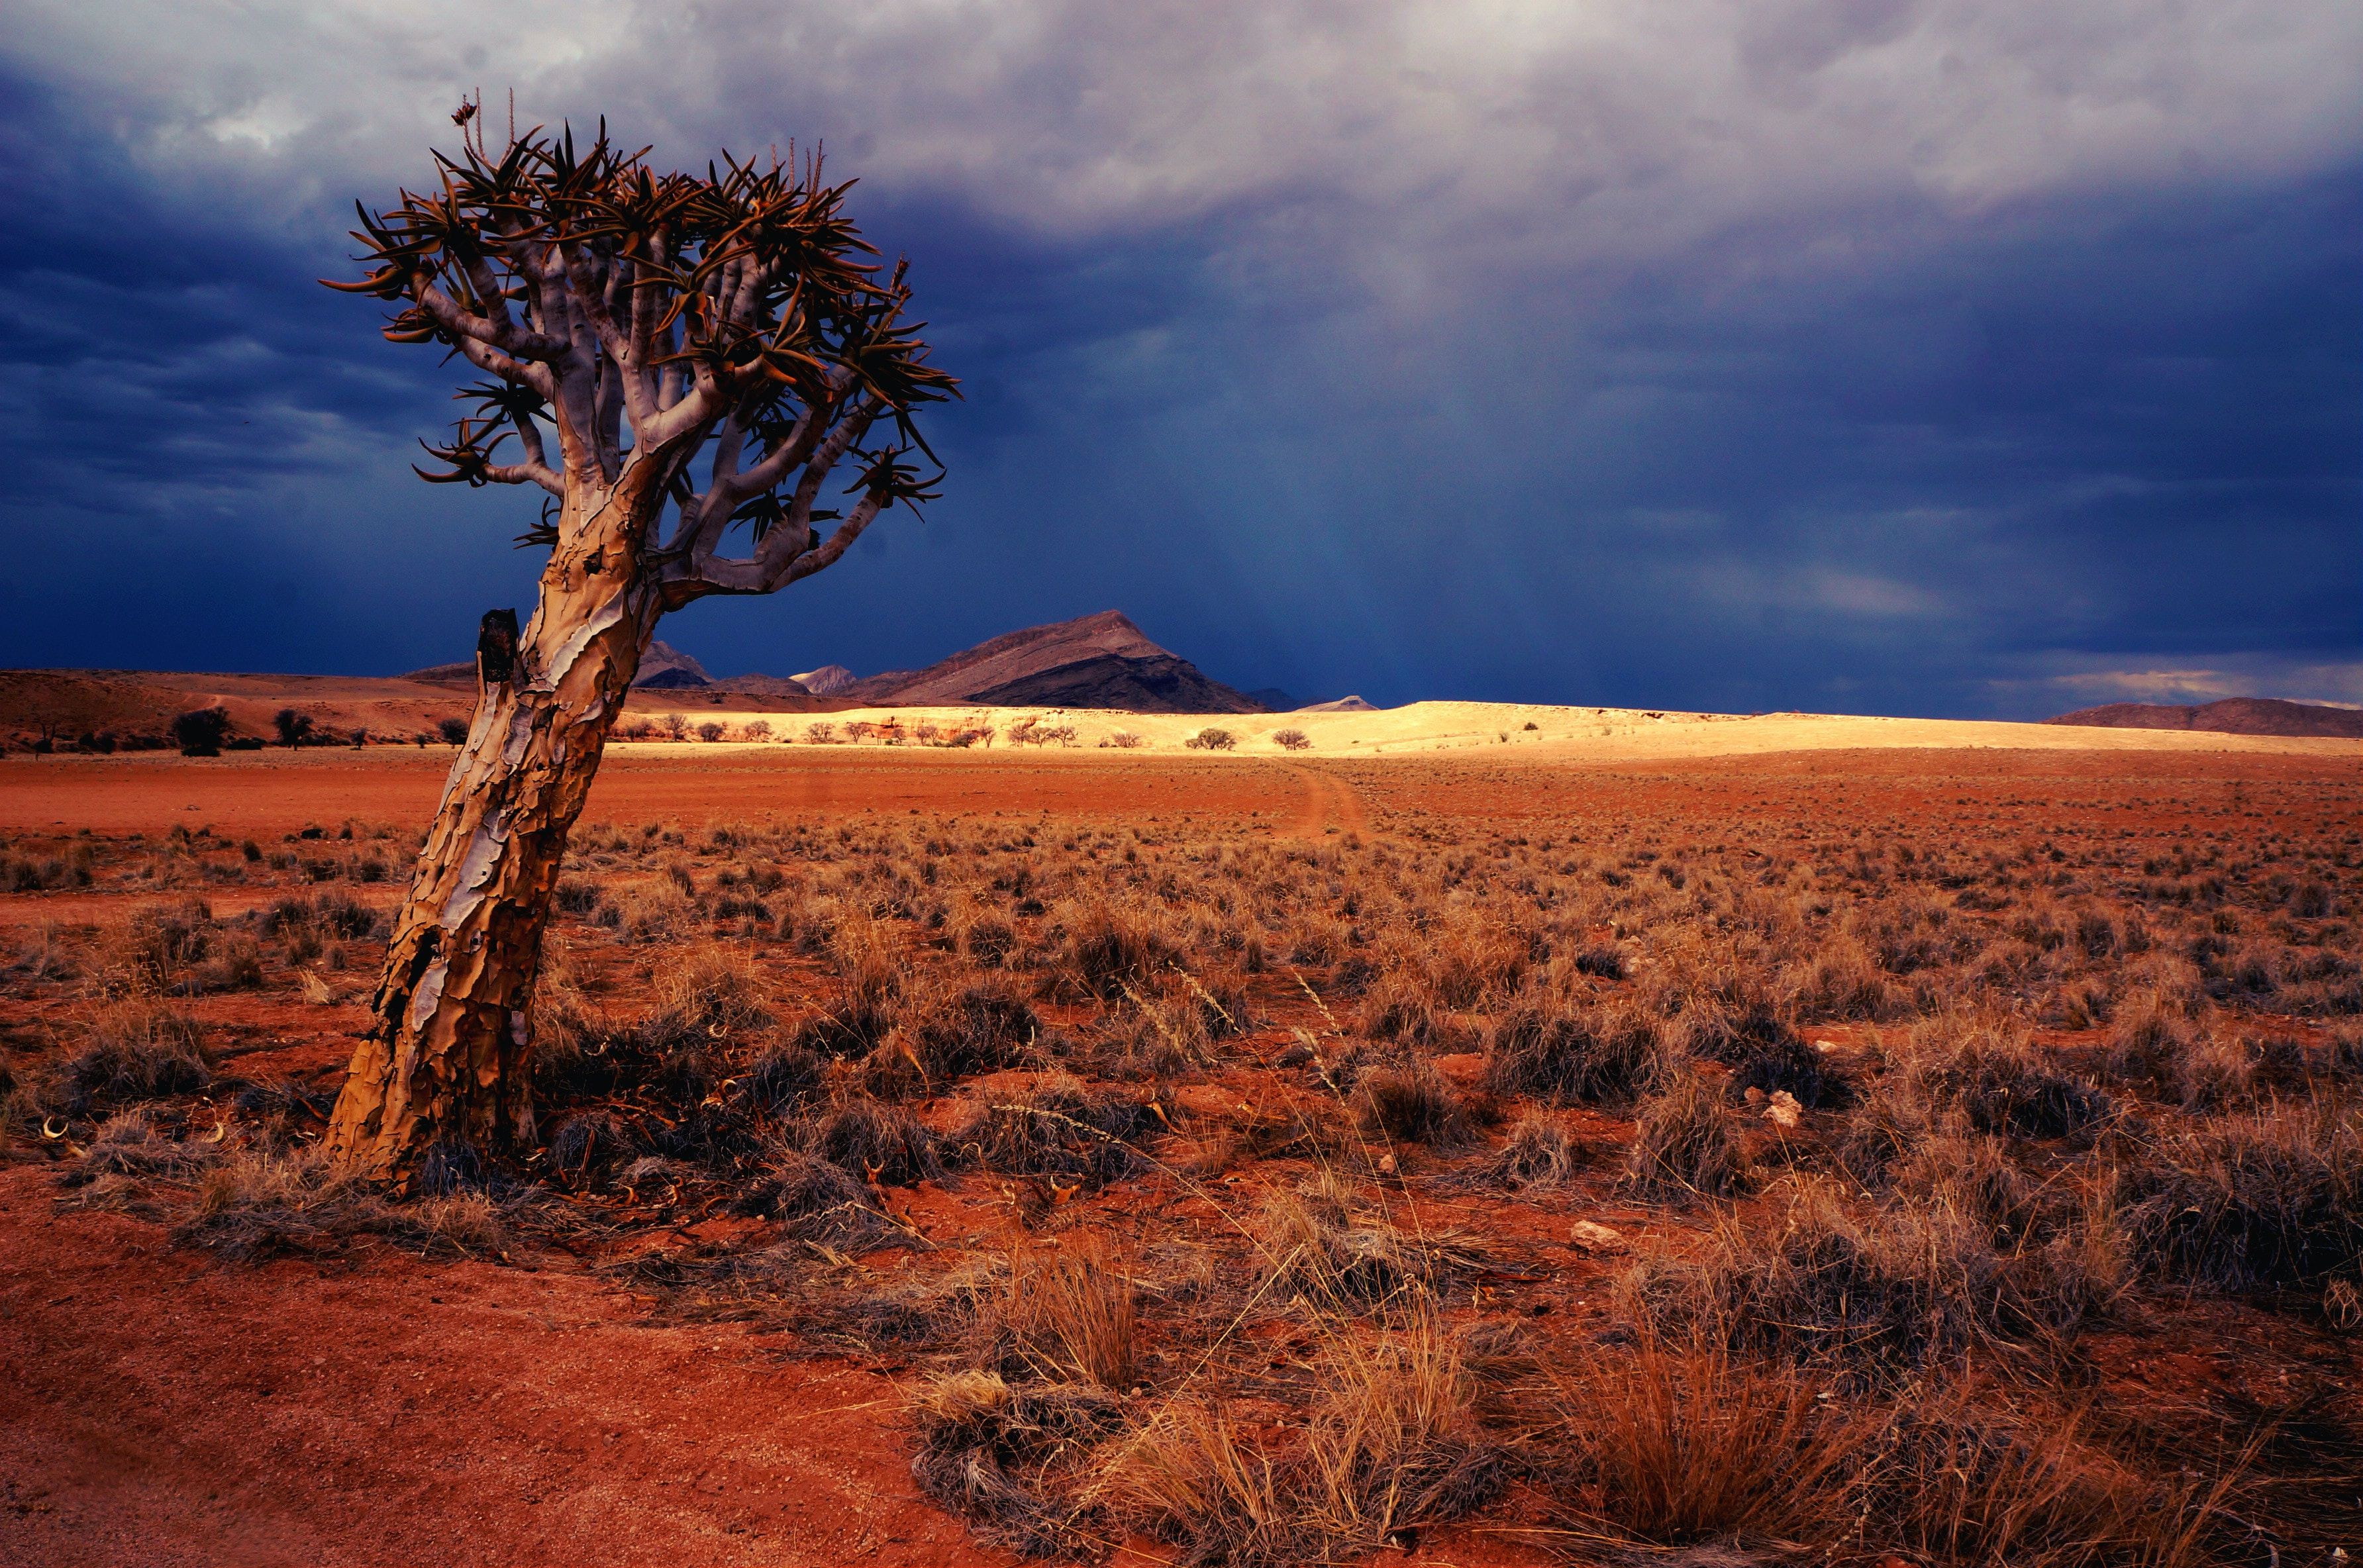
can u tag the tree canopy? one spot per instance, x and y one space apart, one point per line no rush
647 319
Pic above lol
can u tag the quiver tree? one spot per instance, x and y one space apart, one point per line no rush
680 362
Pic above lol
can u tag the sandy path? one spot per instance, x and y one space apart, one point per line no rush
395 1413
1330 803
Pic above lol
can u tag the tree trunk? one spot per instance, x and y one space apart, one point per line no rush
448 1056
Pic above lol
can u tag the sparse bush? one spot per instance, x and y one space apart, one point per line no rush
1290 740
2000 1081
2272 1200
1892 1289
1688 1145
201 731
1411 1105
880 1143
1596 1056
132 1052
1540 1153
1213 739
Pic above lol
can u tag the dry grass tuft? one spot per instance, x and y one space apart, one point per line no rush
1591 1056
1688 1145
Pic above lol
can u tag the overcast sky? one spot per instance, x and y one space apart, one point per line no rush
1888 356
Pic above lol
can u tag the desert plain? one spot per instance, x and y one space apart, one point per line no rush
1480 1134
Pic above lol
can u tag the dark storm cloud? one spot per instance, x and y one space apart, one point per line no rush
1897 357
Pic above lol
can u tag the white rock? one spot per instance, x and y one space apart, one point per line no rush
1591 1236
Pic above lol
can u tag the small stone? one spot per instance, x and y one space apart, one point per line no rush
1784 1110
1754 1097
1591 1236
1387 1165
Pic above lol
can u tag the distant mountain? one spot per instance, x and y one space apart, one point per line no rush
1094 662
2232 716
661 668
1341 705
764 686
1275 700
827 681
667 669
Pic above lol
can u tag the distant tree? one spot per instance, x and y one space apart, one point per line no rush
1211 739
706 350
1291 739
820 732
294 726
758 730
201 731
675 726
453 731
712 730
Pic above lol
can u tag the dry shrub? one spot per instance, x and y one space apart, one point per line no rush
1318 1245
659 913
1688 1145
1395 1445
587 1149
1844 982
981 1030
133 1050
1682 1443
1679 1442
985 1447
1110 949
127 1154
880 1143
716 991
1055 1128
814 1199
1540 1153
1892 1289
2000 1080
1467 964
2268 1200
1064 1317
1412 1104
981 937
1159 1035
1403 1006
254 1205
1606 1055
1255 1133
1954 1479
1885 1127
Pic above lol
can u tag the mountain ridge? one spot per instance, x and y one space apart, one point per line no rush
2229 715
1100 660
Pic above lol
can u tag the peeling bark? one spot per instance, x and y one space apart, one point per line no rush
448 1053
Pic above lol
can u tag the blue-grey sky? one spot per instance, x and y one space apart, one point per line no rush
1891 356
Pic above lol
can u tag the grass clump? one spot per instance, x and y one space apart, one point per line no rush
1687 1146
2000 1081
1601 1056
2268 1200
1893 1288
